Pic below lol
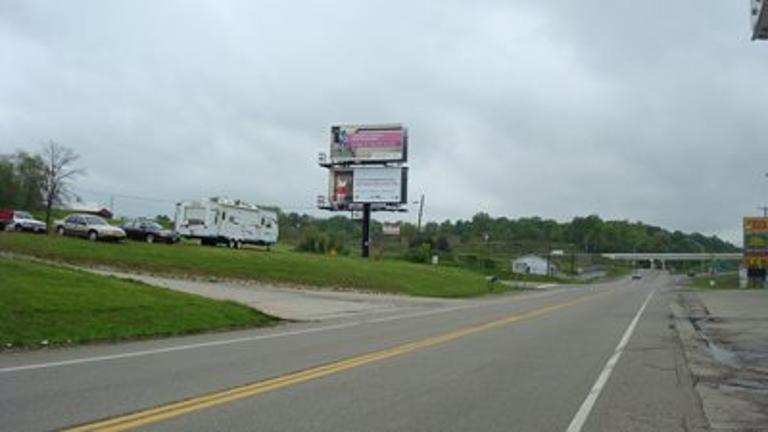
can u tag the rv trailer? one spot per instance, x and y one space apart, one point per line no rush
221 220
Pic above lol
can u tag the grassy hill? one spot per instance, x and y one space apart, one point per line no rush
50 305
279 266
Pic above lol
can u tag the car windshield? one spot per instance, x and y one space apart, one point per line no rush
23 215
152 225
95 220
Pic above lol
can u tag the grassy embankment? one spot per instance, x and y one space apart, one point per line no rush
278 266
722 281
49 305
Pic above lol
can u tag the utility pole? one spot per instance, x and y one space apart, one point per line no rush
764 208
421 212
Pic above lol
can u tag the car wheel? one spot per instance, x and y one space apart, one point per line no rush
150 238
60 231
93 235
18 227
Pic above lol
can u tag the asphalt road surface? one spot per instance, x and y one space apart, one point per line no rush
590 358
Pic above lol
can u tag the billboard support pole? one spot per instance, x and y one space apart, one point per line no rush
366 245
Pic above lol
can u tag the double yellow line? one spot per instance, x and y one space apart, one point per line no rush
176 409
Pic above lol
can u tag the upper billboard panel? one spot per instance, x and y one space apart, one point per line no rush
369 143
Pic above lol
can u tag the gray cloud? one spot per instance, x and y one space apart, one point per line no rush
636 110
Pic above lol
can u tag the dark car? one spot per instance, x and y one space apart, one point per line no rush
149 231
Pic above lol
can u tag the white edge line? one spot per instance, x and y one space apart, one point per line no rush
141 353
586 407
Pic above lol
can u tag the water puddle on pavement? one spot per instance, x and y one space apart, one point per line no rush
722 355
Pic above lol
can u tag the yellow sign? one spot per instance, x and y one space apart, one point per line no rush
756 260
755 241
755 225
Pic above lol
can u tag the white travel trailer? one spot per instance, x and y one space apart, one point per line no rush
221 220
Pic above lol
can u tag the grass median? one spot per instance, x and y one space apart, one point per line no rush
723 281
278 266
49 305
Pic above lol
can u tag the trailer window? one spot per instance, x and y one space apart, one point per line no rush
194 215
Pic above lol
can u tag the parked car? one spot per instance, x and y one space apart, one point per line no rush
19 220
149 231
89 226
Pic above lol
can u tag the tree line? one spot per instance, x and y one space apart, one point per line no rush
587 234
38 181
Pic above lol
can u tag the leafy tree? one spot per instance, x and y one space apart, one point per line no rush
21 179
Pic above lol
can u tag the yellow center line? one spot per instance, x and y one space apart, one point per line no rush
176 409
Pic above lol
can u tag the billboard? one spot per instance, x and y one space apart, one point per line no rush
367 185
756 241
368 143
380 185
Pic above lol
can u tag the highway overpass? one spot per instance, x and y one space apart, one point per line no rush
663 258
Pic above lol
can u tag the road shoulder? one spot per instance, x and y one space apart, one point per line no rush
725 335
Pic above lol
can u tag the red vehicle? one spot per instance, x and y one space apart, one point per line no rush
19 220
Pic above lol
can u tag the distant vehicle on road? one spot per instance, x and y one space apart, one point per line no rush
149 231
89 226
637 276
221 220
691 273
19 220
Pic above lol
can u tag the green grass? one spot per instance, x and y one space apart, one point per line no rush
281 266
508 275
40 302
722 281
616 272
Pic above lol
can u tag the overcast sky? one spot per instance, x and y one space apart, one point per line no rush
640 110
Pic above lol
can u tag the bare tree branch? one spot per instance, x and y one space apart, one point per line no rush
58 172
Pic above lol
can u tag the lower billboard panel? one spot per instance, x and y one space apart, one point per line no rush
352 187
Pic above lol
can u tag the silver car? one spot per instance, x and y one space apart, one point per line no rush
88 226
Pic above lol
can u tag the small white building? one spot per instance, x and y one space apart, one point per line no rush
532 264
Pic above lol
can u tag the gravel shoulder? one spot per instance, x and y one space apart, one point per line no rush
725 337
291 303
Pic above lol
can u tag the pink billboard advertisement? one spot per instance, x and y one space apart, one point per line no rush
369 143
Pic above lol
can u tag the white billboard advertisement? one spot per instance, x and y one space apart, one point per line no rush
379 185
351 187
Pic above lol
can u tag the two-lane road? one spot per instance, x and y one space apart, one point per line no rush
590 358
